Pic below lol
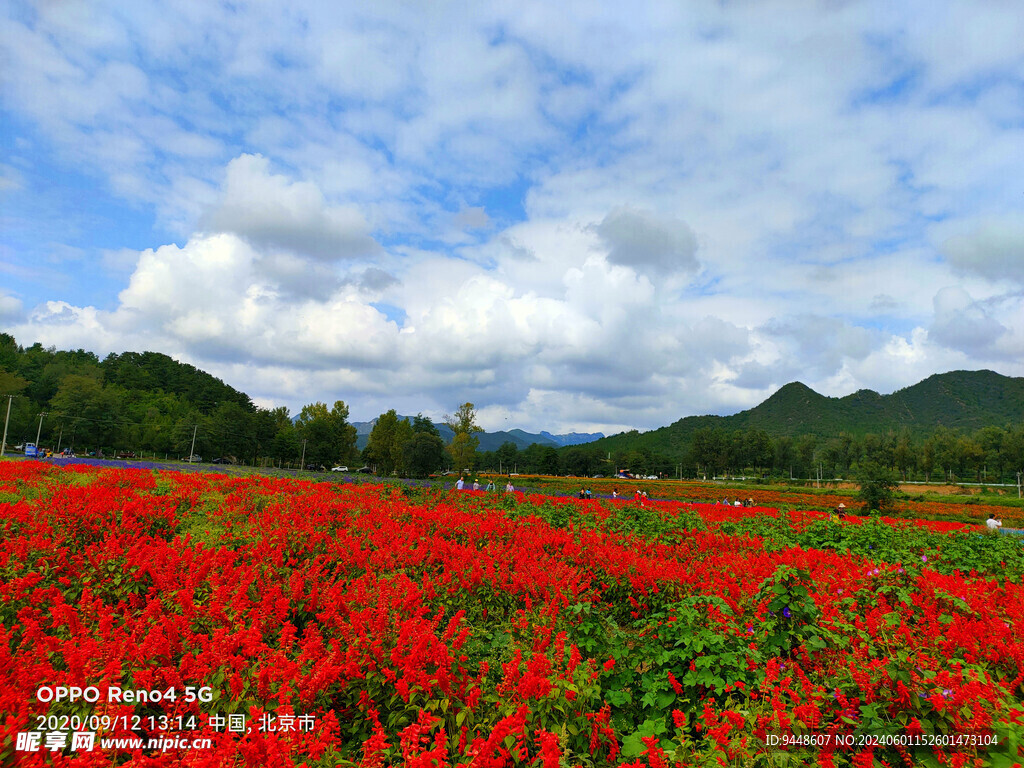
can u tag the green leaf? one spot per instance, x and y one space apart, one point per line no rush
632 746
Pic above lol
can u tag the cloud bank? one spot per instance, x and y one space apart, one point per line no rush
577 217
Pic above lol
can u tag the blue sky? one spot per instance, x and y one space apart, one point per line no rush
577 217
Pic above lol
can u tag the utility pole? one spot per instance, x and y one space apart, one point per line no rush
61 437
3 445
192 450
40 430
302 461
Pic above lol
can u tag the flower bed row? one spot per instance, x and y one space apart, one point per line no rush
706 492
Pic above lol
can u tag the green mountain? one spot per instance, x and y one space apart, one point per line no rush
961 400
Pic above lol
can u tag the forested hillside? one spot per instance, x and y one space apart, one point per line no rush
140 402
967 424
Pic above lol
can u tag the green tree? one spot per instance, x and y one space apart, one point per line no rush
507 456
328 435
10 352
378 447
266 423
943 443
991 441
384 449
904 455
830 456
403 434
708 451
421 423
285 445
877 486
10 384
785 455
926 458
1013 450
423 454
805 447
542 459
464 442
189 434
582 460
95 409
232 431
153 415
758 451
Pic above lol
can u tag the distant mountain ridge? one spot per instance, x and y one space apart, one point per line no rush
489 441
573 438
967 400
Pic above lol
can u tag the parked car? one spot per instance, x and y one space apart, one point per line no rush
364 470
339 469
127 455
223 460
194 458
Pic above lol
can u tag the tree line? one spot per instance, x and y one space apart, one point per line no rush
991 454
153 405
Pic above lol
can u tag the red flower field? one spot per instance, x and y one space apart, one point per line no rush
289 623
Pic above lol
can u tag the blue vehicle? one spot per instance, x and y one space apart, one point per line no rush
31 450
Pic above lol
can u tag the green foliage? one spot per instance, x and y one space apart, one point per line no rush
877 486
329 437
1001 557
149 371
99 408
792 615
11 384
686 659
385 448
421 423
464 442
422 454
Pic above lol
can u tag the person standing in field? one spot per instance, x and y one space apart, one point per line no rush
460 484
476 485
509 488
993 523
